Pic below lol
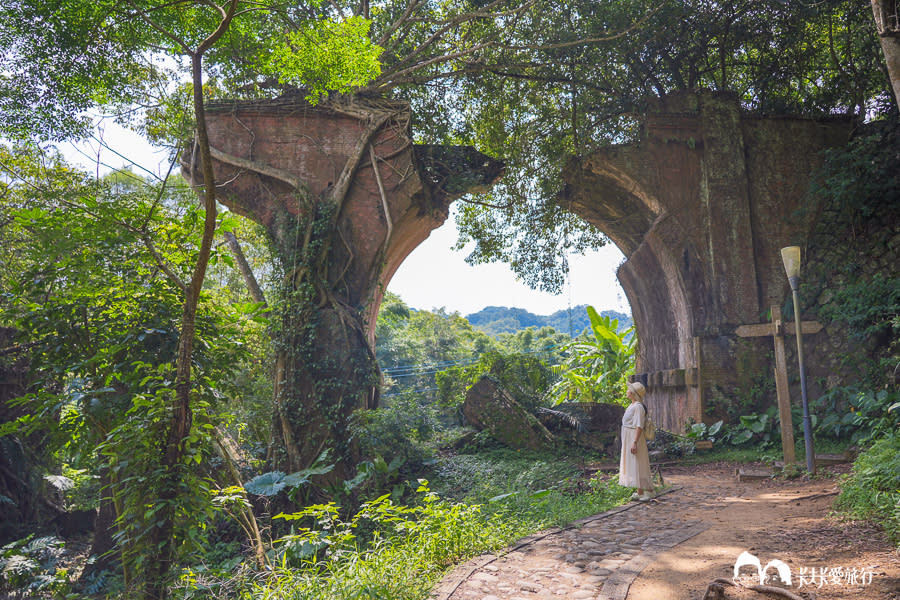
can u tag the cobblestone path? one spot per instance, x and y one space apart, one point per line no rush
595 559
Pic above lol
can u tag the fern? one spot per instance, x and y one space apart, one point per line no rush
565 419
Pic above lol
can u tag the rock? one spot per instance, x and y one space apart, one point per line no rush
600 424
488 406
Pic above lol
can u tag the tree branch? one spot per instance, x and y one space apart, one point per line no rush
396 24
384 201
244 267
165 32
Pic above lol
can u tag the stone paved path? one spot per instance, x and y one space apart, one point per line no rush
595 559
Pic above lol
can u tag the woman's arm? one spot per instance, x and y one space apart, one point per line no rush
637 436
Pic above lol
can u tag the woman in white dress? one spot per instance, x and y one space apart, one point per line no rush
634 466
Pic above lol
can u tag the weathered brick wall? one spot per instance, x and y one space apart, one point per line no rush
289 138
701 207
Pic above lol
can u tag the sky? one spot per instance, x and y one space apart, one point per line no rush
434 275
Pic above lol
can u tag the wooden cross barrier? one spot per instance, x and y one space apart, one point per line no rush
778 329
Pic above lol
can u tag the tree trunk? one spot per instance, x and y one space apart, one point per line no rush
887 24
325 370
103 544
244 267
161 551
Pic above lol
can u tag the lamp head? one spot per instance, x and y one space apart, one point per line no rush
791 258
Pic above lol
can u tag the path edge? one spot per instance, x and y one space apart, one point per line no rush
451 580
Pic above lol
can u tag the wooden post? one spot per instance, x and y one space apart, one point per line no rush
782 390
698 379
778 329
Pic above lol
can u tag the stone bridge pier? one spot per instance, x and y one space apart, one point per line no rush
344 196
701 207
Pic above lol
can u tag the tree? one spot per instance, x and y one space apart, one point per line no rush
94 46
94 297
887 24
545 96
535 82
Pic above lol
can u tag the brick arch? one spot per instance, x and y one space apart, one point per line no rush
657 262
700 207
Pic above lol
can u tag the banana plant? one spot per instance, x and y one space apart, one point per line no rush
597 363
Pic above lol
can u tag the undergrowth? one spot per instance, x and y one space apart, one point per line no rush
399 551
872 490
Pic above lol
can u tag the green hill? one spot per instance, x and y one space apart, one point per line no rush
495 320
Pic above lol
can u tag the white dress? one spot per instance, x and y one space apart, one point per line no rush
634 469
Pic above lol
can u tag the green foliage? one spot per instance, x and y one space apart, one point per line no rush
870 307
525 376
95 297
598 364
761 430
702 431
872 491
273 482
397 551
563 102
28 568
438 356
497 320
384 550
87 55
325 56
859 179
397 434
541 489
479 477
862 195
857 414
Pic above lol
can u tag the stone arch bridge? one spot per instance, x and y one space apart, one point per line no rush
700 207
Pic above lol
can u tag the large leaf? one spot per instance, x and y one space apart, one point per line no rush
742 437
267 484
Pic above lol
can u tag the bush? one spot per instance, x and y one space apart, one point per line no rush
857 414
398 431
872 490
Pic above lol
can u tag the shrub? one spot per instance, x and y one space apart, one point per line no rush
872 490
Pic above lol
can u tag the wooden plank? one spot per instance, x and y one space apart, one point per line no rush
753 474
831 459
783 391
764 329
807 327
755 330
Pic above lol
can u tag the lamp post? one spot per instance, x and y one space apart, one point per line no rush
791 258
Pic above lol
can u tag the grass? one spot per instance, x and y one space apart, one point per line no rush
481 503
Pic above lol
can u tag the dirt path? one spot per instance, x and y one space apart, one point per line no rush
673 546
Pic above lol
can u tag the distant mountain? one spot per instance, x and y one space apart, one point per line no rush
495 320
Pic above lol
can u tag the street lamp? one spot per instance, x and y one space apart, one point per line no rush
791 258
